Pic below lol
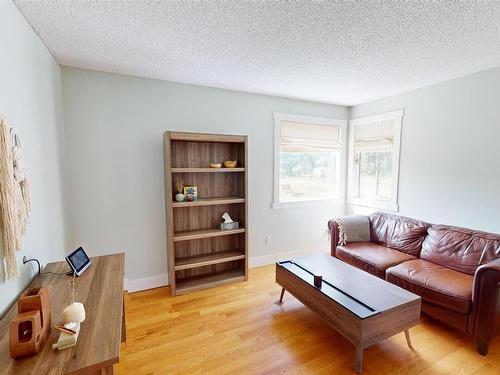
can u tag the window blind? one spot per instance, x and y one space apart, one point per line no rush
302 137
375 136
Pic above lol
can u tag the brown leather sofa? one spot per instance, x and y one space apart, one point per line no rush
456 271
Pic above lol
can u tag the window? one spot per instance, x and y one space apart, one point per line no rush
309 154
374 160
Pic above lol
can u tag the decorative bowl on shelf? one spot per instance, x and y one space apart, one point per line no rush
215 165
230 163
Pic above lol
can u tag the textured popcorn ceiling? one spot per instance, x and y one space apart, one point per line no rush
335 52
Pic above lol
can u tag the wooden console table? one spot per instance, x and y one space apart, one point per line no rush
100 289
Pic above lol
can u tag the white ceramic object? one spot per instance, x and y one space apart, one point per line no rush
180 197
227 219
74 313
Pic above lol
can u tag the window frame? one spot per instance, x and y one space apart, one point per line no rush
278 118
353 170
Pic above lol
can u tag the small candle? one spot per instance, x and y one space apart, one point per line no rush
318 278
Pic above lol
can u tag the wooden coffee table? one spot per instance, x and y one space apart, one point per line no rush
362 307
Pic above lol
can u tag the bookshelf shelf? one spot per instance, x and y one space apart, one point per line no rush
204 233
209 202
207 170
191 284
208 259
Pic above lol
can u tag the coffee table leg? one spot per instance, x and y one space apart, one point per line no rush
358 364
408 341
280 302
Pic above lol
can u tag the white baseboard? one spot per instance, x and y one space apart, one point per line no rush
150 282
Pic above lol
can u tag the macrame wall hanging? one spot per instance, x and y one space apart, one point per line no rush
15 201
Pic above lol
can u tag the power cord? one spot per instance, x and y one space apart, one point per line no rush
26 260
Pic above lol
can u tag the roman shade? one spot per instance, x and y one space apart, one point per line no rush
302 137
374 136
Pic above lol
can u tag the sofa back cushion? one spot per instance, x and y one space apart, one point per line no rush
398 232
460 249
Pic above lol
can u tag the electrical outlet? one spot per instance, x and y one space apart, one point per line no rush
268 240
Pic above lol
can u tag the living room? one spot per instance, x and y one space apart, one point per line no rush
252 187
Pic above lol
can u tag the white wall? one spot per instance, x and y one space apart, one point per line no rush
30 99
450 150
114 126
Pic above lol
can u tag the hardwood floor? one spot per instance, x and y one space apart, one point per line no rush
238 329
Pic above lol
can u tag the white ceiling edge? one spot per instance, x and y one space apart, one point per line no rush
259 93
270 94
343 53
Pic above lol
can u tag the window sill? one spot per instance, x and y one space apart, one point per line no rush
380 205
309 203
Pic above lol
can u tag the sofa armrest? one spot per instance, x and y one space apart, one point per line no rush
333 227
486 302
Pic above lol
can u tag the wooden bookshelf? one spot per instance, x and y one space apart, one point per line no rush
200 255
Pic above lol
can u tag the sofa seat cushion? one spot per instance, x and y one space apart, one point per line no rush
371 257
434 283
